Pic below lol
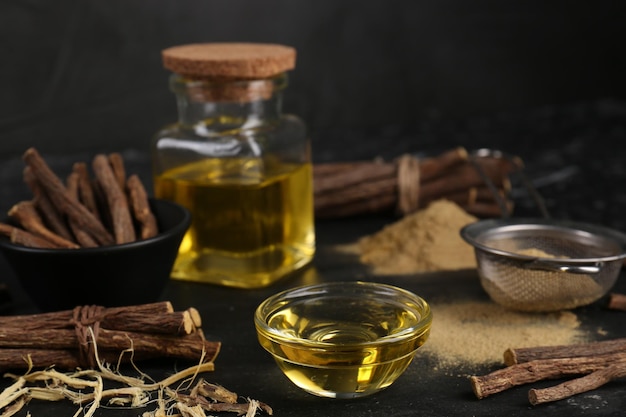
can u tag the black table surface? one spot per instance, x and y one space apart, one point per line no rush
583 184
244 367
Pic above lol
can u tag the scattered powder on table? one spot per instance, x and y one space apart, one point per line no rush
470 333
425 241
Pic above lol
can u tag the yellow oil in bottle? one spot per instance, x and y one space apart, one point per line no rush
346 367
252 219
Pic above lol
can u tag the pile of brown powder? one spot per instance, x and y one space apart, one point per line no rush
467 333
427 240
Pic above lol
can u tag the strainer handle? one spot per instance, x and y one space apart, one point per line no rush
579 268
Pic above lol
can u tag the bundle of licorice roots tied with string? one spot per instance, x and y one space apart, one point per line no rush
478 182
81 337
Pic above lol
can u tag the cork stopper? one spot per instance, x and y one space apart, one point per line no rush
229 60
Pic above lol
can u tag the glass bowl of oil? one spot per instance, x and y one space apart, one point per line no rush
343 339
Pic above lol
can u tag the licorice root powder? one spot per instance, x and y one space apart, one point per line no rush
425 241
470 333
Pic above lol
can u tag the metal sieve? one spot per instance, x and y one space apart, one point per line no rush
545 264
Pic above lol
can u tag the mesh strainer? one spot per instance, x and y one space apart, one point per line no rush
545 264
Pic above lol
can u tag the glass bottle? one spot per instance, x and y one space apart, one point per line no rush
243 169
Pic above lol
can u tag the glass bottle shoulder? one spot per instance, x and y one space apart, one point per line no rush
284 137
220 136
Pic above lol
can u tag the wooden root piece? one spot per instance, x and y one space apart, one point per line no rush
487 209
22 237
27 216
61 198
617 301
352 175
187 346
159 318
537 370
49 213
348 188
438 166
579 385
21 358
598 362
463 177
82 212
190 401
138 200
123 228
214 392
86 192
119 169
357 193
519 355
84 238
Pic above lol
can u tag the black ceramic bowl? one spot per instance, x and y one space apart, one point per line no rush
115 275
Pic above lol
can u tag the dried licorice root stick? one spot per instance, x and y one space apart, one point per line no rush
520 355
119 169
56 191
138 200
84 238
617 301
537 370
358 173
186 346
49 213
22 237
25 213
123 228
85 189
157 317
488 209
577 386
439 165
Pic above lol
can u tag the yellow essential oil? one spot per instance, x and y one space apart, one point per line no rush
340 351
252 220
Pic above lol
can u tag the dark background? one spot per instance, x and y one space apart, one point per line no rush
86 74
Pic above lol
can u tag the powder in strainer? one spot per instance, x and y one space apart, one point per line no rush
466 333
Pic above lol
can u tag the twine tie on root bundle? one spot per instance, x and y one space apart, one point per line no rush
84 318
408 184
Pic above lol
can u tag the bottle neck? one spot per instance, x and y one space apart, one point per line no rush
215 106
